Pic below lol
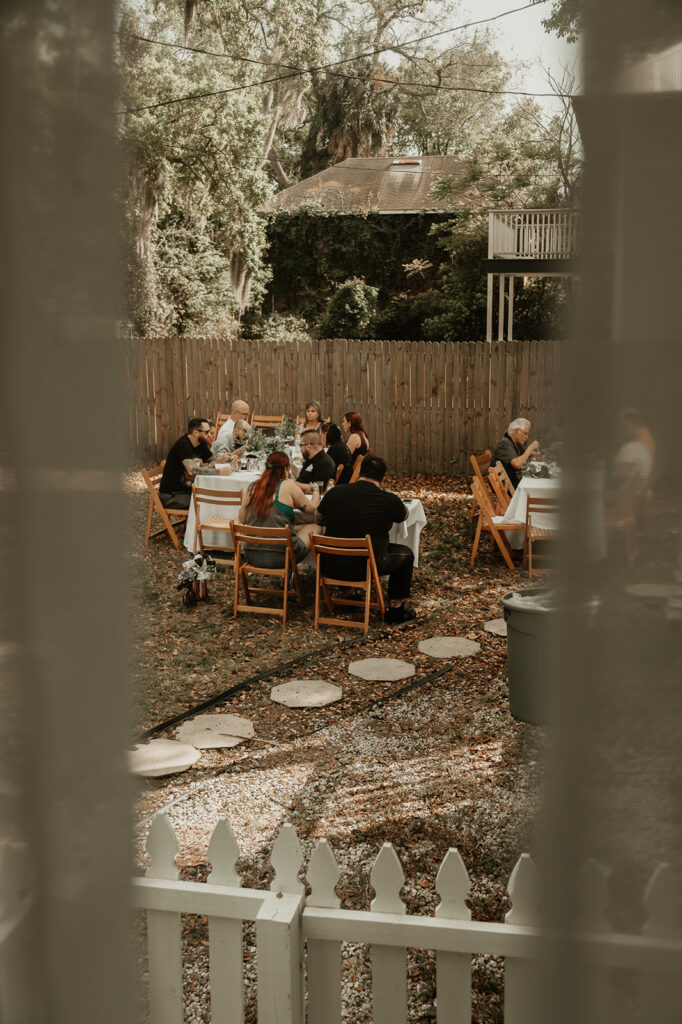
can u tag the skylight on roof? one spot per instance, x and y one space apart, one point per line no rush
408 163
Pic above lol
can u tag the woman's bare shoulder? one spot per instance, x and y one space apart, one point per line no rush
288 487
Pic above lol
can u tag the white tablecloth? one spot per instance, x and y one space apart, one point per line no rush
591 495
536 487
234 483
407 532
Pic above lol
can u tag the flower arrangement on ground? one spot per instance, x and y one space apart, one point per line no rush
193 578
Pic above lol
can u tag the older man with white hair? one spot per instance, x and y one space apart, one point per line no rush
513 449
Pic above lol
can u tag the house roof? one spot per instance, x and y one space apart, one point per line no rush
376 185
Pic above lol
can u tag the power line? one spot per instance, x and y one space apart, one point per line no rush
339 63
297 72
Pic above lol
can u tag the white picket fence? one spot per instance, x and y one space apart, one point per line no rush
294 934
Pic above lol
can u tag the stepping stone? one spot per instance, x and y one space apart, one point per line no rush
658 590
496 626
215 731
162 757
381 669
449 647
306 693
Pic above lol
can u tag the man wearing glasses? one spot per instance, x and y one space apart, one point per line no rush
318 467
189 453
513 449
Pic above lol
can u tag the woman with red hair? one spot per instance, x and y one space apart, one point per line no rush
270 502
357 442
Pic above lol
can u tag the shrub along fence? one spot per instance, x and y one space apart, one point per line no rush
427 405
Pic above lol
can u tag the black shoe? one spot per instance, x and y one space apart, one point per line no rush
398 614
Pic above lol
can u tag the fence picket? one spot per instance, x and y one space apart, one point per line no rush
659 997
225 936
455 425
223 852
592 900
520 974
164 931
453 970
18 996
324 955
389 990
434 384
287 859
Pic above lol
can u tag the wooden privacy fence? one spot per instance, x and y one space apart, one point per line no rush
298 937
427 405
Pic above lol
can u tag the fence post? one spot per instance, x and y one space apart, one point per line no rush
280 959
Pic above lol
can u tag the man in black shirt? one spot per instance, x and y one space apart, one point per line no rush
513 450
175 489
318 467
353 510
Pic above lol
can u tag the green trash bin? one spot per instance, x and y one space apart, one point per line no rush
528 614
532 618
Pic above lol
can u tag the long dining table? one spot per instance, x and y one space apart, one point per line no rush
535 487
591 497
408 532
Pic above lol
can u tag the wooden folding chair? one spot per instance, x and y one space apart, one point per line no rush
348 547
152 480
203 496
266 422
357 466
222 417
503 488
488 521
480 465
255 536
334 482
538 506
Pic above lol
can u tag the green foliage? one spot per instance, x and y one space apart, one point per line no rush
530 160
312 254
349 116
278 327
436 118
541 308
351 311
195 180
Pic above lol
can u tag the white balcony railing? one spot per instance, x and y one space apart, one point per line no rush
533 234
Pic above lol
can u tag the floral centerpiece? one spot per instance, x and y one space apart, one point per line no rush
260 443
548 467
193 578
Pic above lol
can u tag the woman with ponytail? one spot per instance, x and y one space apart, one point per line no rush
270 502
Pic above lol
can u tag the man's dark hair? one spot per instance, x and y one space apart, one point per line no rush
312 435
195 423
373 468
